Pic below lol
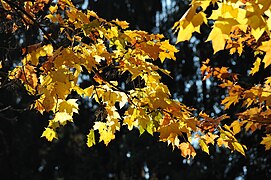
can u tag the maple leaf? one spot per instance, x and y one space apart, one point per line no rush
170 132
268 81
203 3
91 138
266 47
239 147
257 24
122 24
267 141
169 51
61 89
227 139
187 150
256 66
48 102
106 135
209 138
220 33
151 49
62 118
53 9
70 106
88 91
204 146
189 23
228 101
33 57
49 134
27 75
129 121
112 118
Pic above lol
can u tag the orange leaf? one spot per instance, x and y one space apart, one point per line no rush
187 150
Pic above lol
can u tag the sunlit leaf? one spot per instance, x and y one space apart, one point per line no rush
91 138
267 141
187 150
49 134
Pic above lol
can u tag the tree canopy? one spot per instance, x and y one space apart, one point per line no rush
80 58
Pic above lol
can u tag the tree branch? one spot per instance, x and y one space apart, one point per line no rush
18 8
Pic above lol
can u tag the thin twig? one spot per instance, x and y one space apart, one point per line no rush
6 108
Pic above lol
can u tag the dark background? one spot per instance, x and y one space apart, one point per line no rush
24 155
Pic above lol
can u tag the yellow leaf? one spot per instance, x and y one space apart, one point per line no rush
218 39
62 118
230 11
62 90
49 134
99 126
257 25
189 23
222 142
128 121
123 100
112 118
89 91
204 146
238 147
165 45
130 117
202 3
49 102
38 106
220 33
266 47
79 90
192 123
185 34
53 9
267 141
53 124
106 137
268 81
168 51
105 134
33 57
236 127
92 14
209 138
70 106
122 24
256 66
228 101
169 132
228 140
91 138
150 127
